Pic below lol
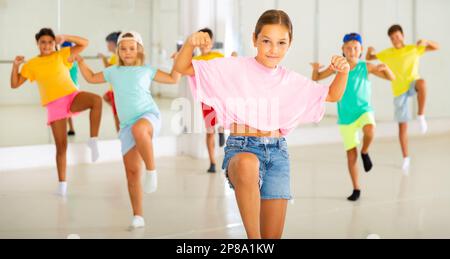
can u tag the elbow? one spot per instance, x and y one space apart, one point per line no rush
176 80
178 68
182 69
14 85
85 43
89 79
333 98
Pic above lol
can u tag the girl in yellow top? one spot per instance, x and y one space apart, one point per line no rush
50 69
111 41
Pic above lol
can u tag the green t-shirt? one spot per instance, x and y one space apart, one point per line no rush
74 74
357 97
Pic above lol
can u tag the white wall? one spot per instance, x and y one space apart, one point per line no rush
160 24
21 19
433 23
372 18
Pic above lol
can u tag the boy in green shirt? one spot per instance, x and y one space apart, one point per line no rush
355 110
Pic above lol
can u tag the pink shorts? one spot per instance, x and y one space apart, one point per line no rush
60 109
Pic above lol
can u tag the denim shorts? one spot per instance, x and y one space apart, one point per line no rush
126 137
274 164
402 113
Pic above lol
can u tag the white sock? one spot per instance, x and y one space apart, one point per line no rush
406 164
150 182
93 146
62 189
137 222
423 124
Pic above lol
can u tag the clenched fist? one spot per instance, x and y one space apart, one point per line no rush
200 39
340 64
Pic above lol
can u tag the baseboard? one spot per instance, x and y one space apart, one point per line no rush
27 157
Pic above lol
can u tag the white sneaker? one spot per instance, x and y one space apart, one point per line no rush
406 165
62 189
423 124
150 182
137 222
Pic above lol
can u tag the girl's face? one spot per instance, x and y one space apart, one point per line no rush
352 51
111 46
46 45
272 43
128 52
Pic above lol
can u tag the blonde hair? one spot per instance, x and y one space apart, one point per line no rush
140 57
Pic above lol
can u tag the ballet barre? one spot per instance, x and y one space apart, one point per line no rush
87 58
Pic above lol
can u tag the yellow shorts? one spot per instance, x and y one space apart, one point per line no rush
350 133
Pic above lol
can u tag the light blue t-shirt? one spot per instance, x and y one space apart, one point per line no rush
132 94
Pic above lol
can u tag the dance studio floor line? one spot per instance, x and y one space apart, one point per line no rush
193 204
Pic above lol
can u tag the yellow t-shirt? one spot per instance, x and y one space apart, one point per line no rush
52 74
405 65
212 55
113 60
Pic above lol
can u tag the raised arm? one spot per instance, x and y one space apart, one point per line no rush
80 43
381 71
183 63
317 75
104 60
430 45
166 78
337 88
89 76
371 54
17 80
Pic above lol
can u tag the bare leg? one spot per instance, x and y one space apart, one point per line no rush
133 167
403 136
211 145
143 135
87 101
352 159
273 217
421 88
59 129
71 128
243 172
107 99
117 122
369 134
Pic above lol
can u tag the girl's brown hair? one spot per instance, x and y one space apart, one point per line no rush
141 53
271 17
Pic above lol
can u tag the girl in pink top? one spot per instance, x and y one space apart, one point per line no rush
260 102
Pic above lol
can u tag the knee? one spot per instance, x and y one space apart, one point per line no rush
139 131
369 130
421 85
97 101
106 98
245 170
352 155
